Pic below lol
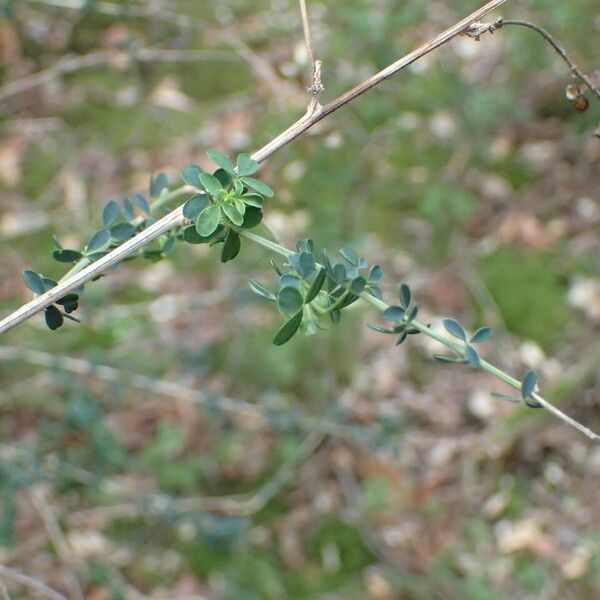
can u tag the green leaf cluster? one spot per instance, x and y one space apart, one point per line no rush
227 198
402 315
311 295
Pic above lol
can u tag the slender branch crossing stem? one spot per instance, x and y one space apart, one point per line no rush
175 217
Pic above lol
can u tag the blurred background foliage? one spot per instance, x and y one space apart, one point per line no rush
164 448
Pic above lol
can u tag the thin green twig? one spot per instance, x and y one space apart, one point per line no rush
447 342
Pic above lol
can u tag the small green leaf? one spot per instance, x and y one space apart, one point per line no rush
231 247
316 286
233 214
220 159
54 318
306 264
529 384
122 231
252 200
481 335
141 203
194 206
66 256
98 241
158 184
358 285
349 256
191 175
252 217
208 220
453 327
127 210
246 165
375 274
289 300
258 186
401 338
34 281
471 356
339 273
405 295
288 329
261 290
394 313
110 213
225 179
211 184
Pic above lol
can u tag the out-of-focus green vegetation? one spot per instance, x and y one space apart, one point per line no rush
469 175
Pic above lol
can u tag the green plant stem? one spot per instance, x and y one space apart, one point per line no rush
447 342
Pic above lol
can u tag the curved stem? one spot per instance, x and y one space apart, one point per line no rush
577 72
440 338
